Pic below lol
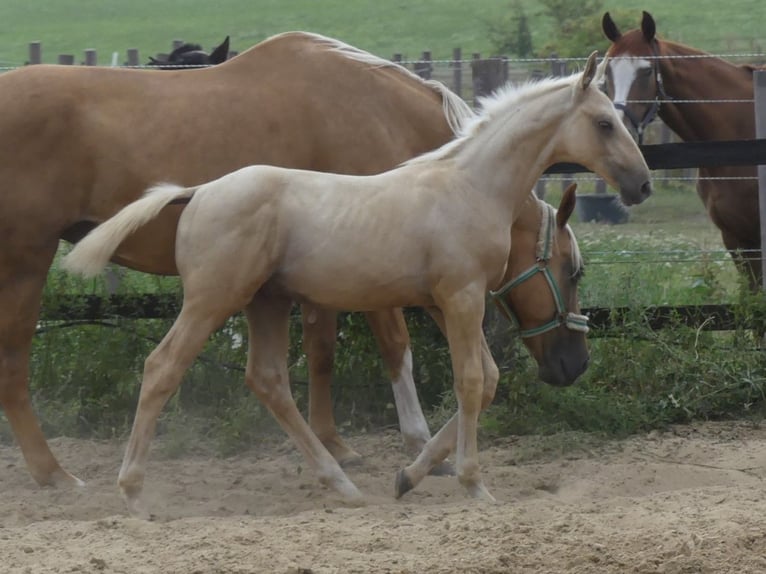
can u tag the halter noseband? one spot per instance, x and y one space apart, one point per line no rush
572 321
651 113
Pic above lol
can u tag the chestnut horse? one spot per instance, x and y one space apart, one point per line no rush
434 232
648 76
79 143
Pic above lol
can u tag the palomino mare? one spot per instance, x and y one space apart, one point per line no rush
79 143
647 76
260 237
192 55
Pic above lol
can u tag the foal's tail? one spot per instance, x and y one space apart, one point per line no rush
90 256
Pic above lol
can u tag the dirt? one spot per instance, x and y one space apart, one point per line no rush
690 500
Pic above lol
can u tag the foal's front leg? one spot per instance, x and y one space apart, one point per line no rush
438 448
267 376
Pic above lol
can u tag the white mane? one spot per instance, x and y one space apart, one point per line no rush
496 105
456 110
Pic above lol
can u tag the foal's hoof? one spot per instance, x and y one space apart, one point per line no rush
402 484
61 479
444 468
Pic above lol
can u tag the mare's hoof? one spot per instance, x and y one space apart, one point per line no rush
402 484
444 468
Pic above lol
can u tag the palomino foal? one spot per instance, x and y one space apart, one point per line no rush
261 237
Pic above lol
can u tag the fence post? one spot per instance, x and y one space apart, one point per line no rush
91 57
457 71
397 59
66 59
177 43
35 53
424 67
759 89
488 75
133 59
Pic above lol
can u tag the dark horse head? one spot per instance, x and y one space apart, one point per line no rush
192 55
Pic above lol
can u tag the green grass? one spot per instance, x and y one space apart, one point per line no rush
71 26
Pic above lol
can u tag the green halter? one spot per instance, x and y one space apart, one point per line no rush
572 321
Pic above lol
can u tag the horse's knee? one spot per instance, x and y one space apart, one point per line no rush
269 385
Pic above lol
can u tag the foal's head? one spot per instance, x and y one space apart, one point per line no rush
632 77
539 292
593 135
193 55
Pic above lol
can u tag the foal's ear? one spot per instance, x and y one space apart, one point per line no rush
648 27
567 205
221 53
610 28
590 70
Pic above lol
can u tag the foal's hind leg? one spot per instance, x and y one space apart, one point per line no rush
22 278
268 319
163 371
319 333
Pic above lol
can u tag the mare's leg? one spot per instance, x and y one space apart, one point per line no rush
22 278
390 330
319 334
268 324
163 371
438 448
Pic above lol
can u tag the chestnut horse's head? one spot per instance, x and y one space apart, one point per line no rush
632 76
192 55
539 291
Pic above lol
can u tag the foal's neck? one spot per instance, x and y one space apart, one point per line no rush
706 78
504 162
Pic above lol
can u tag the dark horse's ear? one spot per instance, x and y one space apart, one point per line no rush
567 205
221 53
648 27
610 28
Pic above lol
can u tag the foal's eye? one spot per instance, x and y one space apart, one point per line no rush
605 125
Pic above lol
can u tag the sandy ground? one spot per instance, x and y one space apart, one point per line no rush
685 501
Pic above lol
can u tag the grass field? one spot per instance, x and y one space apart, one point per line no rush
71 26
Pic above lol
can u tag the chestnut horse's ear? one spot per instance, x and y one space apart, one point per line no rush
590 70
648 27
567 205
610 28
221 53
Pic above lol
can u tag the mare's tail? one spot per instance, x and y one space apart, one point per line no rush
90 256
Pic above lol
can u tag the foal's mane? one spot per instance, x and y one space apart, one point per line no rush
504 101
456 110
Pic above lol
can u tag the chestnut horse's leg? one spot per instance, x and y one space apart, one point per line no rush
319 334
268 325
390 330
22 278
163 370
439 447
